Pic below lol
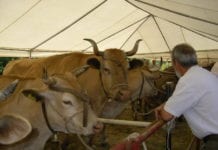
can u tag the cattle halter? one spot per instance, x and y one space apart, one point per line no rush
55 136
51 82
115 85
139 98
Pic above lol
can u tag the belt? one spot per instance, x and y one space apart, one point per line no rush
211 137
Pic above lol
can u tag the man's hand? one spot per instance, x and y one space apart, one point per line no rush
160 113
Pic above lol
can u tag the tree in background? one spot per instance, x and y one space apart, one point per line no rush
4 61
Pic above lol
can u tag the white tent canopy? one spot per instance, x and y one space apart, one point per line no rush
40 28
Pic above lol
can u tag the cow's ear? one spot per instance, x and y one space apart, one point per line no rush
13 128
135 63
94 62
33 94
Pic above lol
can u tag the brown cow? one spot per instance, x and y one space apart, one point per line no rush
104 81
22 121
164 84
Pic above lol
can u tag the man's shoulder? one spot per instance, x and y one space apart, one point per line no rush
214 69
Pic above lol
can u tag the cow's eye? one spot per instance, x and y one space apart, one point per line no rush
68 103
106 70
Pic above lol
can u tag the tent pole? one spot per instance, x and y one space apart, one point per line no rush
161 32
68 26
8 26
182 34
176 23
178 13
135 31
116 32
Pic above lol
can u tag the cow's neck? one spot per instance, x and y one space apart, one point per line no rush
43 133
137 93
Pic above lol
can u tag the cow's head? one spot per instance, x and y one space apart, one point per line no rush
142 80
113 66
64 105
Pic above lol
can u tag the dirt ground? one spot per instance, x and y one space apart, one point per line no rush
181 135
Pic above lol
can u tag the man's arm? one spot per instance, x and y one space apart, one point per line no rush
160 113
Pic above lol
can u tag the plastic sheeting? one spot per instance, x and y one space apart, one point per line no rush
39 28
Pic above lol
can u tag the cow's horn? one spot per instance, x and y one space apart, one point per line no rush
95 47
8 90
44 73
49 81
135 48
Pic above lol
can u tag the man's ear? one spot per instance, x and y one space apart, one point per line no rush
177 65
33 94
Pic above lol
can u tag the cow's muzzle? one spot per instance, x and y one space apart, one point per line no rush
98 127
123 95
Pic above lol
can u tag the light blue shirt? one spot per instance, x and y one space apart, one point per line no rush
196 97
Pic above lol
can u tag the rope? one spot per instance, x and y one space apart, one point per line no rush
140 93
170 127
84 143
46 118
104 90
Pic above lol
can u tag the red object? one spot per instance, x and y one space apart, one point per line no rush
136 143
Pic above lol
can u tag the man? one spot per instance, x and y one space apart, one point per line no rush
195 97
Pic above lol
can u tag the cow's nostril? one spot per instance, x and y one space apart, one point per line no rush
123 95
98 127
120 93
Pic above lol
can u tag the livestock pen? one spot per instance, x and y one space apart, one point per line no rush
181 135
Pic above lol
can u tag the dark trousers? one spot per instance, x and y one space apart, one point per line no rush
211 142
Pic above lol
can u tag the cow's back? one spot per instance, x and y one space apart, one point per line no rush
58 64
